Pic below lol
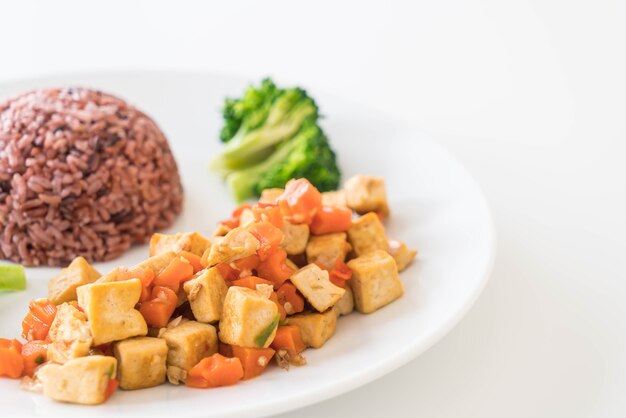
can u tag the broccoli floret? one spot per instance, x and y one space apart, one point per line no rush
257 123
272 136
307 154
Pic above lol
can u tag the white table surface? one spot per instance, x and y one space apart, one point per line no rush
531 97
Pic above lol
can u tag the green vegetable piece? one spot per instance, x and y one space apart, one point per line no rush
12 277
110 372
40 359
261 339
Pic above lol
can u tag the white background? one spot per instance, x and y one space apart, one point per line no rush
529 95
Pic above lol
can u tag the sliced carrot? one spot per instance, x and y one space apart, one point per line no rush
266 212
215 370
253 360
233 221
281 309
158 310
177 271
288 338
288 293
268 235
34 353
36 323
250 282
300 201
194 260
11 361
111 388
242 267
328 220
340 274
274 268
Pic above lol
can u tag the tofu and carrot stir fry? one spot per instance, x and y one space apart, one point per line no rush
207 312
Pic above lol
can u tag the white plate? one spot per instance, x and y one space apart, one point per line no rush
436 208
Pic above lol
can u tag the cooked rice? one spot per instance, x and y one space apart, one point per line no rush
81 173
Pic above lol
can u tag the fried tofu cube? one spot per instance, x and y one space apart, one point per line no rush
401 253
270 195
155 264
70 336
62 287
315 285
110 309
315 328
238 243
375 281
366 194
206 293
336 199
249 319
367 234
140 362
188 343
82 380
326 249
190 241
295 238
345 305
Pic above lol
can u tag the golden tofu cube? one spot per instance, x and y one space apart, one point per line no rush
270 195
249 319
315 328
110 309
238 243
345 305
70 336
315 285
140 362
295 238
62 287
206 293
188 343
189 241
366 194
336 199
82 380
367 234
401 253
326 249
375 281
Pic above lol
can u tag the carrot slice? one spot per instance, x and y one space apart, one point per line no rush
268 235
194 260
158 310
340 274
111 388
300 201
34 353
214 371
250 282
266 212
177 271
281 309
253 360
274 268
288 294
236 269
288 338
36 323
11 361
328 220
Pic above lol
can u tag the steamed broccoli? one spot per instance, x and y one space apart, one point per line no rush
271 136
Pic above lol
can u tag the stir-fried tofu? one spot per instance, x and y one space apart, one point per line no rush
70 336
314 284
366 194
238 243
110 309
401 253
315 328
188 343
326 249
155 264
249 319
345 305
189 241
375 281
82 380
270 195
367 234
140 362
336 199
62 287
206 293
295 238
